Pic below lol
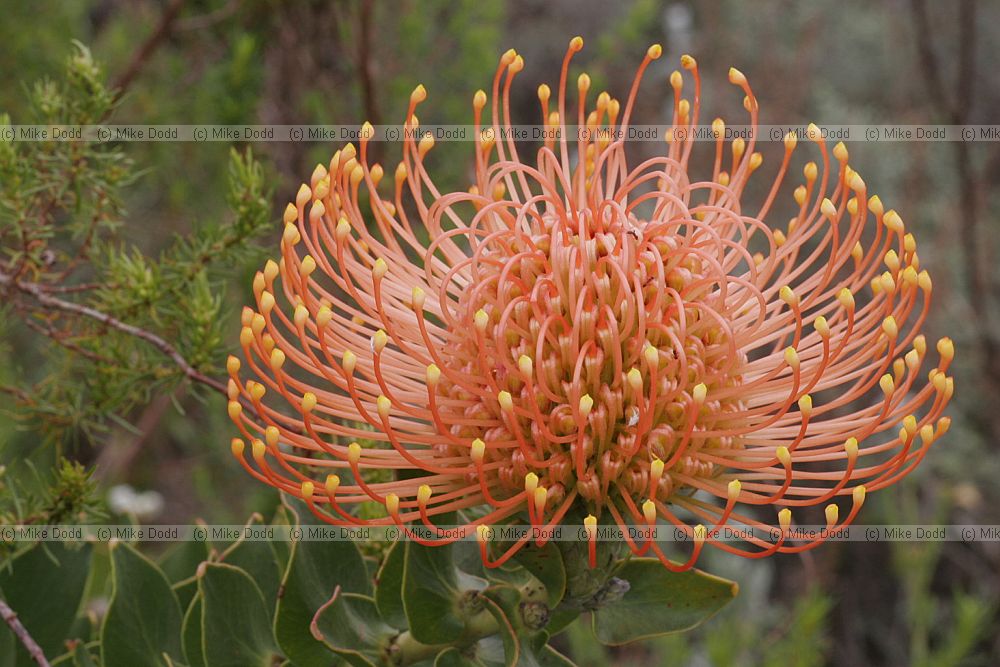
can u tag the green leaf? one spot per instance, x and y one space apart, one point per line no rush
431 594
546 564
561 619
349 625
283 519
144 619
315 570
180 565
258 559
44 586
185 591
82 656
181 561
660 602
521 617
466 556
236 627
389 589
544 655
452 657
77 655
496 599
191 634
491 651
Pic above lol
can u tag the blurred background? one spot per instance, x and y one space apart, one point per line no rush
163 454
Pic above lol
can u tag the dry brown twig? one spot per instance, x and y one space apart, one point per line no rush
39 294
22 634
142 55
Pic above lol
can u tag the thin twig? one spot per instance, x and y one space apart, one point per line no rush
22 634
59 338
63 289
211 18
152 42
49 301
114 459
17 392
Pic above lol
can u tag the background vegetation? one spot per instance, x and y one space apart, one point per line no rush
166 236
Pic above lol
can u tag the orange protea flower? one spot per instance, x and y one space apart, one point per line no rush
579 336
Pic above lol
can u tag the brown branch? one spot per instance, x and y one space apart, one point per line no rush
17 392
976 276
956 108
83 252
966 58
22 634
63 289
928 61
211 18
47 300
142 55
59 338
48 204
116 458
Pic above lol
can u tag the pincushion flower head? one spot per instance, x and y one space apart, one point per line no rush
577 335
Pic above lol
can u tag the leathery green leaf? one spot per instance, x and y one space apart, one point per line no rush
389 591
236 627
431 594
660 602
315 570
144 619
349 625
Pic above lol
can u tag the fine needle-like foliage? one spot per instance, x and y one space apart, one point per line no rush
120 325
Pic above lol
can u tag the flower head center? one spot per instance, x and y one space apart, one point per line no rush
593 330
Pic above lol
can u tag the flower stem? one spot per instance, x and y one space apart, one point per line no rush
405 650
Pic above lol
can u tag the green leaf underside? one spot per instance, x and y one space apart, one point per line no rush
82 656
180 562
351 627
452 657
560 619
660 602
283 518
236 626
144 619
258 559
185 591
511 645
191 634
315 570
532 649
389 592
431 594
467 559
